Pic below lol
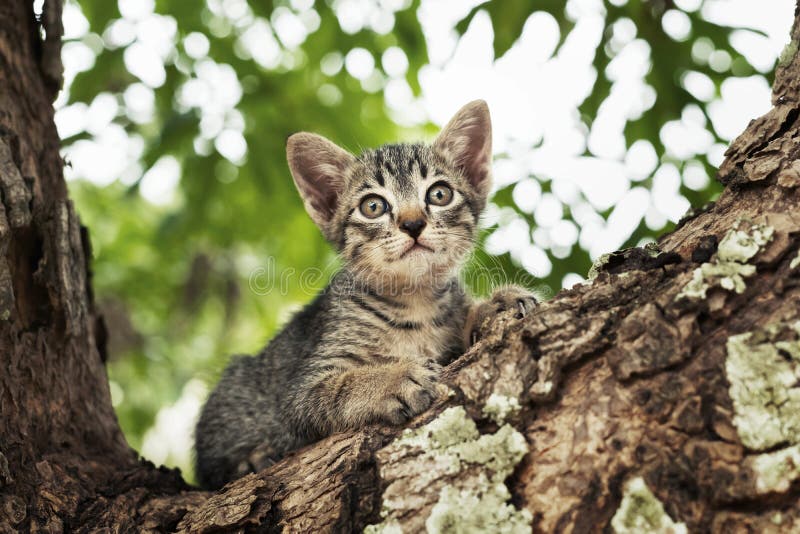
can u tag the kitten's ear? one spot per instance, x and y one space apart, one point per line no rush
467 142
318 167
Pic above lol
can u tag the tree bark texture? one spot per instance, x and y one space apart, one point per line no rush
662 396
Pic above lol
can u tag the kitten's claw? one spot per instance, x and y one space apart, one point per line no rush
405 410
508 297
411 393
526 305
259 458
505 298
431 365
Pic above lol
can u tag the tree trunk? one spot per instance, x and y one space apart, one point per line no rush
662 395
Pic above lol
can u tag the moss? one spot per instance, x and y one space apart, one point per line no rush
729 268
499 407
641 511
452 443
775 471
762 368
469 511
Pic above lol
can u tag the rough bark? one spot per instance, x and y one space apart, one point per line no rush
663 392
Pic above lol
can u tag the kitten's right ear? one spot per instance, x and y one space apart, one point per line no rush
318 167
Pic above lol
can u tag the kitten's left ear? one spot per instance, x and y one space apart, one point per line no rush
318 167
467 142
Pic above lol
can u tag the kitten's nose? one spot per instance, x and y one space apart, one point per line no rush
413 228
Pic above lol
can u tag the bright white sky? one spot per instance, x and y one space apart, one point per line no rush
533 97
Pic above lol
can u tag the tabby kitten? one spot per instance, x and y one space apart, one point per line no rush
369 348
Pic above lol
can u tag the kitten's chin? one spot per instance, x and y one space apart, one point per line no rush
417 250
419 264
426 265
422 268
414 270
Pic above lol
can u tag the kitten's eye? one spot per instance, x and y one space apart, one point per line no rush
373 207
440 195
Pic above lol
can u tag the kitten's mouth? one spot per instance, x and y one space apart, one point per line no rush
415 248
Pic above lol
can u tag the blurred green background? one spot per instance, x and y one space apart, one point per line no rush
610 118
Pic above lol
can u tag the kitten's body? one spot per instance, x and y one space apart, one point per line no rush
252 401
367 349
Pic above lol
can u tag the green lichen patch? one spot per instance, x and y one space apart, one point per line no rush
729 267
788 53
390 526
597 266
453 439
500 407
741 245
763 368
641 511
499 452
728 275
451 427
445 447
775 471
468 511
795 261
652 248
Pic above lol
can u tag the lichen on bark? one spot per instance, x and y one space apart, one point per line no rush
476 511
776 471
763 367
462 471
730 267
498 407
795 261
640 511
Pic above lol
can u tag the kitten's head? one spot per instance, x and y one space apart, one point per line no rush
402 211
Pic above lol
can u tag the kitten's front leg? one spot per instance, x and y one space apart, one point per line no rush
503 298
389 393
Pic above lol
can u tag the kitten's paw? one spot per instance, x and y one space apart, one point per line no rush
259 458
409 392
514 297
504 298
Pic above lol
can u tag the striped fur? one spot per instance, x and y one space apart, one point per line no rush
368 349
